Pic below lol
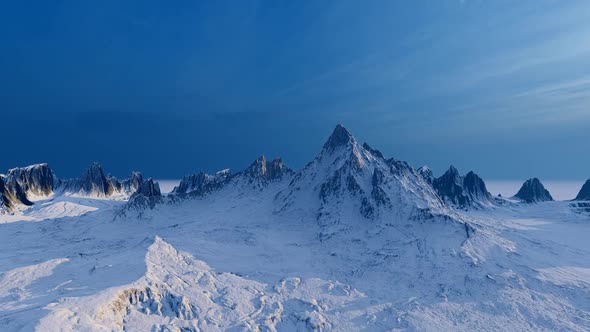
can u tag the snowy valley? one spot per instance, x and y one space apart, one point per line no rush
354 241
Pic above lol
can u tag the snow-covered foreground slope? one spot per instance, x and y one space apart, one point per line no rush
352 242
525 268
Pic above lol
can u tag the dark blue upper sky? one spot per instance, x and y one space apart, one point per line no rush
173 87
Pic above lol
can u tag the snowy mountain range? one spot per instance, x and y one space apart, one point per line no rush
353 241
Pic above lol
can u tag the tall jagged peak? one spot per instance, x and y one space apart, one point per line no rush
133 182
475 186
147 195
340 137
584 194
533 191
452 172
258 167
149 188
94 182
346 176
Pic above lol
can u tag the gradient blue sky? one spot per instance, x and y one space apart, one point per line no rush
173 87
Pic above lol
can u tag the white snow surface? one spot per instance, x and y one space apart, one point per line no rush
243 267
273 256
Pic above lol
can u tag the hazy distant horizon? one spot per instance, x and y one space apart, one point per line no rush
561 190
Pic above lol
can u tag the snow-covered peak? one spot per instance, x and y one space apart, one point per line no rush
347 180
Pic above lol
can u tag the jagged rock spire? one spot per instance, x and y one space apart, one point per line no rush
147 195
93 181
475 186
131 184
533 191
340 137
452 172
149 188
426 173
584 194
458 190
21 182
263 169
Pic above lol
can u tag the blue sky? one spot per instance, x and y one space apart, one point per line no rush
170 88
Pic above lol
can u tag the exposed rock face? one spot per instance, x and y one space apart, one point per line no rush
34 179
476 187
262 170
259 173
21 183
149 188
131 184
115 184
4 202
584 194
450 187
426 173
93 182
340 137
201 183
147 195
461 191
533 191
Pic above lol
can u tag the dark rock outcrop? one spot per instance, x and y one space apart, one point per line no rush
450 187
340 137
147 195
263 170
19 184
426 173
35 179
476 187
533 191
461 191
132 183
5 203
584 194
94 182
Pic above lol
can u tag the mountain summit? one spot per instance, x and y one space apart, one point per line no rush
347 182
340 137
584 194
533 191
455 189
